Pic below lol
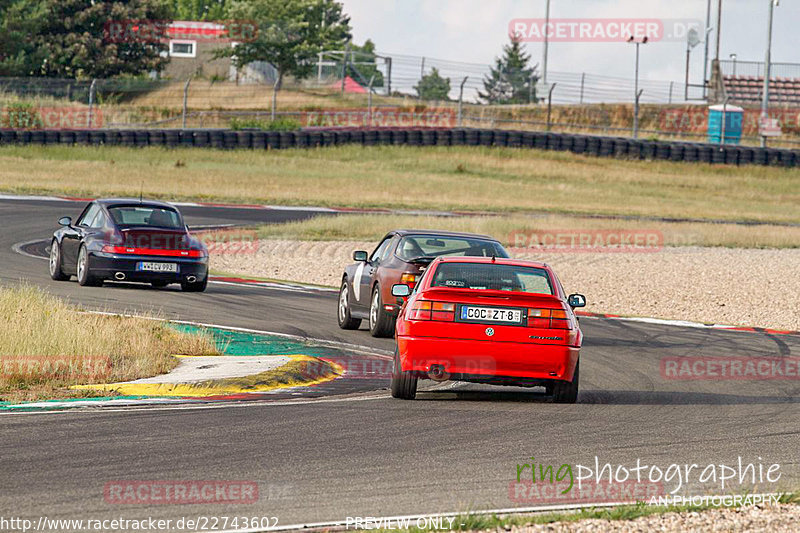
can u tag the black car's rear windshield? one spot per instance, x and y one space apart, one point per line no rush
431 246
144 215
492 276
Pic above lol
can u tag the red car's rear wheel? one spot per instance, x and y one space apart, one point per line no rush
404 384
567 391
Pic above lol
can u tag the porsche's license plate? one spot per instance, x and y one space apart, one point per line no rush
491 314
157 267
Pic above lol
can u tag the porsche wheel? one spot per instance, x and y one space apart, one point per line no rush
381 323
56 271
346 321
85 277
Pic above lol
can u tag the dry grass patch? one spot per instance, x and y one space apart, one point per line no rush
58 346
433 178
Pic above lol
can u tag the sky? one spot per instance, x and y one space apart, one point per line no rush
475 30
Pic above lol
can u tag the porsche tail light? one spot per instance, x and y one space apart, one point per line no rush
548 318
425 310
409 279
111 249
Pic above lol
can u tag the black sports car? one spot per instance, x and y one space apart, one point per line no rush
129 240
401 257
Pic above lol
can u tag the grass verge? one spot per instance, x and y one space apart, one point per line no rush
435 178
372 227
46 346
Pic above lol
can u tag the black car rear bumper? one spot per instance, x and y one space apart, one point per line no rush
124 267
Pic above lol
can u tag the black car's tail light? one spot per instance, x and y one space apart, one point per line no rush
409 279
122 250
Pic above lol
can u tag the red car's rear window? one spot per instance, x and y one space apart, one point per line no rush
492 276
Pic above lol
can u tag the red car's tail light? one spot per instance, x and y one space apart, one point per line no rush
548 318
110 249
425 310
409 279
420 311
444 311
559 319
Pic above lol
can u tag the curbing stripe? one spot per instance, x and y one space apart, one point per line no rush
207 389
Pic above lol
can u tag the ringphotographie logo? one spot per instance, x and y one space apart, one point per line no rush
588 240
156 31
179 492
50 117
733 368
382 117
601 30
538 483
54 366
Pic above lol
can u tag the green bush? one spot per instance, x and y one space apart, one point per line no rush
280 124
284 124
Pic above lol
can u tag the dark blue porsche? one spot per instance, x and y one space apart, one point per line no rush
129 240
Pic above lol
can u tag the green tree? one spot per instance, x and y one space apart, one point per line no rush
511 80
290 33
70 39
211 10
365 68
432 86
19 20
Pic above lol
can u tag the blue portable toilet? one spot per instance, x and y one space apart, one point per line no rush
734 117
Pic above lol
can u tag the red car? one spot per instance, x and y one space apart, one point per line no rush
488 320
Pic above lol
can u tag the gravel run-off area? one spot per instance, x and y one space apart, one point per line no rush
773 518
748 287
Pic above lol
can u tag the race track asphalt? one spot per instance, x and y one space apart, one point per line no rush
360 454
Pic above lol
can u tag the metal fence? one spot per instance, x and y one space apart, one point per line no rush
756 68
204 103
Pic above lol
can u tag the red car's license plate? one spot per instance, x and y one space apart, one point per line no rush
491 314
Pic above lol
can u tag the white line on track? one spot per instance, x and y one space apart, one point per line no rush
18 249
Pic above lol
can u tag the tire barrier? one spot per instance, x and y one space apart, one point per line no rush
648 150
217 139
565 143
156 138
595 145
500 139
485 137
